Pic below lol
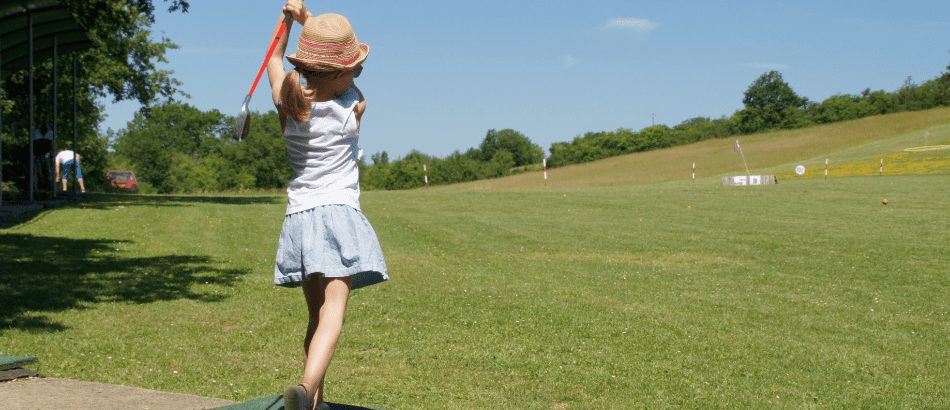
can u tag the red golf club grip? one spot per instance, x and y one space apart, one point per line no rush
270 51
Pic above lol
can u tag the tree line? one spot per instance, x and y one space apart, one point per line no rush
175 147
769 104
501 153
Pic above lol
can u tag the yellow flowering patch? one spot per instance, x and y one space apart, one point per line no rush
935 162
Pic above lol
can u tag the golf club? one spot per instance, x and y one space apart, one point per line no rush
244 120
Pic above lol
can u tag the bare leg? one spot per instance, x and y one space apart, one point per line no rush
82 187
326 303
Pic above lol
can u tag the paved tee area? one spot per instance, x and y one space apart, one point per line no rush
66 394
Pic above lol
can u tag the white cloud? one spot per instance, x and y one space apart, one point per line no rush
641 25
568 62
766 66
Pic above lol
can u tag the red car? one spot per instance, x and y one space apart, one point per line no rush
122 180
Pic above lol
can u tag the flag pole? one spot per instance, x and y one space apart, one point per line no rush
739 148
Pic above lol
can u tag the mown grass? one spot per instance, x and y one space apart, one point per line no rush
806 294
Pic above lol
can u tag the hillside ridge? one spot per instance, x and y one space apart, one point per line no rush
766 153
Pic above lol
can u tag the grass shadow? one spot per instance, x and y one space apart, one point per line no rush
110 201
43 275
102 201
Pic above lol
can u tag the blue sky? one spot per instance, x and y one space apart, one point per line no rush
441 74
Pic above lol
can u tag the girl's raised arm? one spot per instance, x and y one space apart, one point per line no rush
275 63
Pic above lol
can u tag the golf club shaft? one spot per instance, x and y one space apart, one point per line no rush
270 51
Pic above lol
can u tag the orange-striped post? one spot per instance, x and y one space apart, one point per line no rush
426 173
694 172
826 169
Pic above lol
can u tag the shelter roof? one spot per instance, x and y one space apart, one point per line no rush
50 20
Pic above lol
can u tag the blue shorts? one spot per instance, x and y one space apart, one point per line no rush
71 164
332 241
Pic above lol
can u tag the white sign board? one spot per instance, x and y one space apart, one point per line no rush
747 180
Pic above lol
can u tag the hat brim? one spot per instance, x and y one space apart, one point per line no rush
317 65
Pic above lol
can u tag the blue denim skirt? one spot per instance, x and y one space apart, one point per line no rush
332 241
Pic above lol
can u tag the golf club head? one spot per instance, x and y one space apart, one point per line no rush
243 121
243 125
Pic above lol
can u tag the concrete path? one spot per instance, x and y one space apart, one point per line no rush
52 393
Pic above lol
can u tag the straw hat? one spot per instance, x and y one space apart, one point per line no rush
328 43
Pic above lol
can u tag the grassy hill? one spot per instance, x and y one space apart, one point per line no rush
863 141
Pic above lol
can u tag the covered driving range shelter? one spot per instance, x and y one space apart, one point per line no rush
33 31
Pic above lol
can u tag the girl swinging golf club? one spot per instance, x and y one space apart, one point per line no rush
326 244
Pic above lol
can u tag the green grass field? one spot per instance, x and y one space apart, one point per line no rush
805 294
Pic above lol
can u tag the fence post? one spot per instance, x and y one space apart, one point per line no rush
426 173
544 163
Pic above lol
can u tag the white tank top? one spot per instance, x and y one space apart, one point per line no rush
323 153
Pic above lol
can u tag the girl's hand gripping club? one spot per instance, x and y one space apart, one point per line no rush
244 119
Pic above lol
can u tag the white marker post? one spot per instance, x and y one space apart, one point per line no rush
694 172
544 163
882 166
426 173
826 169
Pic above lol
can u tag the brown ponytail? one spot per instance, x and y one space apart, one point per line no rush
296 100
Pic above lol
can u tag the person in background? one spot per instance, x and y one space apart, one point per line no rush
69 160
44 141
44 146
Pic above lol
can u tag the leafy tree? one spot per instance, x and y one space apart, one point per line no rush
373 177
577 151
125 64
838 108
689 131
522 150
190 174
455 168
908 93
229 174
261 159
881 102
598 145
406 173
930 94
652 138
770 103
154 137
699 129
500 164
381 158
